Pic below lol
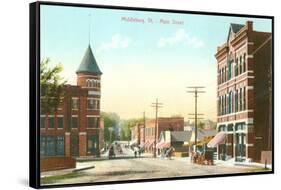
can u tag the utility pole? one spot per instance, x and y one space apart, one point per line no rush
196 90
144 127
156 105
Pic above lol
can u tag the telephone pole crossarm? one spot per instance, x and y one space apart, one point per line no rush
196 90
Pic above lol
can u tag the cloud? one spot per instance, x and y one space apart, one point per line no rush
117 41
181 37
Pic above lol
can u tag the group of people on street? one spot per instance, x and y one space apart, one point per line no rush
167 152
137 151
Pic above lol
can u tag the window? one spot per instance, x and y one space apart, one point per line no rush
244 62
229 70
219 106
74 122
230 102
92 83
240 126
60 146
51 123
88 83
221 128
230 127
52 146
60 122
236 67
42 122
97 104
74 103
240 65
240 100
90 104
225 104
236 100
225 74
219 77
42 145
244 98
92 122
92 144
222 105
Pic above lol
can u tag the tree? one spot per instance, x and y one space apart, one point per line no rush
126 126
111 121
201 125
51 86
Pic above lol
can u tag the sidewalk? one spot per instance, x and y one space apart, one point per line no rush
80 166
232 163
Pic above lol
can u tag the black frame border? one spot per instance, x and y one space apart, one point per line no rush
34 91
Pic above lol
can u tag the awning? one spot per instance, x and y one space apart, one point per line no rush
133 142
142 144
146 143
158 145
218 139
150 144
165 145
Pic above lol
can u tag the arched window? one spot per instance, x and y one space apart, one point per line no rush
88 83
244 62
240 65
230 102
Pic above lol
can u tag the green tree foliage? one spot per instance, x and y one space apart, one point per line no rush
51 86
201 125
126 127
111 120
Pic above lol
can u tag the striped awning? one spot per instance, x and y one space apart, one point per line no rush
218 139
149 144
163 145
159 144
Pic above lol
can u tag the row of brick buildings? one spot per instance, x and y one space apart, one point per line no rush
244 92
143 134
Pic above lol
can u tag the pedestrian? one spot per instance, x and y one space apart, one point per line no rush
139 152
135 152
170 152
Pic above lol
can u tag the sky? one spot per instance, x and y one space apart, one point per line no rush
157 55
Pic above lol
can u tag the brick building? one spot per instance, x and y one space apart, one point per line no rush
144 135
243 93
75 129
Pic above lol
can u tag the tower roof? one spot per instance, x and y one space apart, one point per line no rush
89 64
236 27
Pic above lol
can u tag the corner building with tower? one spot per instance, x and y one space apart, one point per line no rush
76 129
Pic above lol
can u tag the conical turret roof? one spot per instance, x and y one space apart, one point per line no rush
89 64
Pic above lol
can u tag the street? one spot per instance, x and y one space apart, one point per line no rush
144 167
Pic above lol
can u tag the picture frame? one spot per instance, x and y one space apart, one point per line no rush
88 127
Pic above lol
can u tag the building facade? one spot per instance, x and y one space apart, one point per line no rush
75 129
244 92
144 135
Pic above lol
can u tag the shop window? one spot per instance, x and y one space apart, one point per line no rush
52 146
